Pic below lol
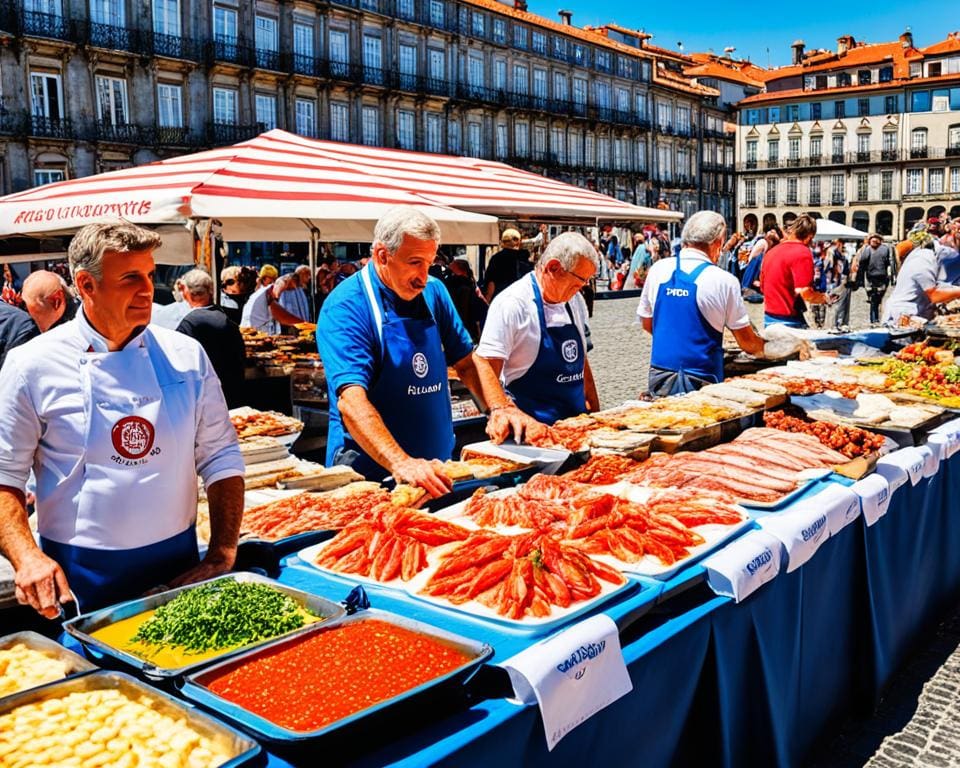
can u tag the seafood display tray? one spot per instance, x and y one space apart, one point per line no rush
83 626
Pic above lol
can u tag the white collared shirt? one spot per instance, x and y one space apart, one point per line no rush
256 312
44 426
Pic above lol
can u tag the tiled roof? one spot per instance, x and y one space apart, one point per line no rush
735 71
827 93
859 55
950 45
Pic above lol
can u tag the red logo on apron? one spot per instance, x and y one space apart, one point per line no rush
132 437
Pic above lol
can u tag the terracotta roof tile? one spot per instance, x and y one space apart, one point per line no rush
827 93
861 54
950 45
732 71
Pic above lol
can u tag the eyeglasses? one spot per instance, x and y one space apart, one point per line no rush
583 280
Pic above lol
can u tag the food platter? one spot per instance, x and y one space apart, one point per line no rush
239 748
197 686
83 627
72 664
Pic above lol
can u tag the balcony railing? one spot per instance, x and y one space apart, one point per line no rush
889 155
264 58
919 153
170 46
108 36
814 199
953 152
232 50
863 157
117 133
35 24
837 158
51 128
169 136
227 133
838 200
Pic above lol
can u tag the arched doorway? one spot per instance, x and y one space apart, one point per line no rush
815 214
789 218
936 211
769 221
838 216
911 216
861 221
884 224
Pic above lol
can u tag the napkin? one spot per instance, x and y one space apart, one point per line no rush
743 566
874 492
801 529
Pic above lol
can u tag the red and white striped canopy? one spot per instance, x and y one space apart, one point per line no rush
278 186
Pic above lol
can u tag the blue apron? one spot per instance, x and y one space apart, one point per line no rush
552 388
133 464
687 350
411 392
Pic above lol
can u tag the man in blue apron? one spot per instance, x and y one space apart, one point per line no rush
387 335
686 303
532 356
116 418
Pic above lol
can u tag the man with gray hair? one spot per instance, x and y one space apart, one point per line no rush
219 336
686 303
532 356
48 299
295 299
386 336
116 418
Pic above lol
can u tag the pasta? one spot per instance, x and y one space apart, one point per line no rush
22 667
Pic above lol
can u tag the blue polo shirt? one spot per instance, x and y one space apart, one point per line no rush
349 344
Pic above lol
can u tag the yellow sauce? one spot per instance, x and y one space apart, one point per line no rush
120 634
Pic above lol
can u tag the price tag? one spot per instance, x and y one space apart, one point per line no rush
572 675
874 492
802 529
908 460
743 566
840 503
931 460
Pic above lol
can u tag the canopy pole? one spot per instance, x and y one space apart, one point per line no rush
314 245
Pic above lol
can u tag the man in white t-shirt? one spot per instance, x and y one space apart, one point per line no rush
532 356
686 303
263 311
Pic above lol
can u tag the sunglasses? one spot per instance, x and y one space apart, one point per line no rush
228 283
510 240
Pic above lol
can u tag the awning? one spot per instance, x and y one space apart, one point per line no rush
828 229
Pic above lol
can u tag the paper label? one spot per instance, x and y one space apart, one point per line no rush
743 566
572 675
874 492
909 460
801 529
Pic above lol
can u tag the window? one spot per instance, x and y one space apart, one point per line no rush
863 147
303 40
166 17
575 148
370 126
405 129
914 181
813 190
521 139
479 24
918 142
520 37
224 23
935 181
886 74
889 145
453 137
408 66
623 100
864 76
773 152
793 150
405 9
603 152
540 85
474 143
579 91
48 176
266 105
437 13
863 107
475 71
774 114
920 101
792 193
750 193
886 185
499 30
560 48
816 110
837 196
753 116
539 142
502 148
266 33
520 75
752 153
538 42
934 69
641 106
169 106
107 12
434 133
339 121
603 61
640 149
603 95
955 180
836 148
436 64
683 118
953 138
820 81
556 145
771 197
306 113
580 55
112 100
500 74
793 113
844 79
863 183
665 114
225 106
890 104
940 101
372 58
560 86
339 54
839 109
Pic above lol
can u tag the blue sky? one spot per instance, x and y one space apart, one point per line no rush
755 28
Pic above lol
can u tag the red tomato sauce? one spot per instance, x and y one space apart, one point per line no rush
335 673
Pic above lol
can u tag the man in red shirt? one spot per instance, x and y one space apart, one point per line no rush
786 277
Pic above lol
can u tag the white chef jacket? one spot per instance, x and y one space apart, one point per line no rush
45 422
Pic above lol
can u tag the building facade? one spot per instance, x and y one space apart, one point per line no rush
868 135
92 86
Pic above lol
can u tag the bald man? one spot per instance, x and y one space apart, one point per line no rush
48 299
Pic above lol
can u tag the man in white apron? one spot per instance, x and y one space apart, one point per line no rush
116 418
387 335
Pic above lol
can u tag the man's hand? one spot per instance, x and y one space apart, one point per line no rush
509 419
213 565
423 473
42 584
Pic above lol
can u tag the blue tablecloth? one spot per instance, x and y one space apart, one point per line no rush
760 682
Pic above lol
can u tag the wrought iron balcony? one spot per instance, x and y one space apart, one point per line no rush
51 128
264 58
110 37
342 70
374 76
953 151
863 157
169 136
170 46
35 24
12 121
232 50
219 134
838 200
122 133
889 155
793 162
311 66
837 158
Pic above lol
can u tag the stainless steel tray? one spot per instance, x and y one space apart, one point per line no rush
241 748
83 626
76 664
195 686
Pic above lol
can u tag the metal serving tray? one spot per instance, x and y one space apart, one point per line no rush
76 664
83 626
241 748
195 686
